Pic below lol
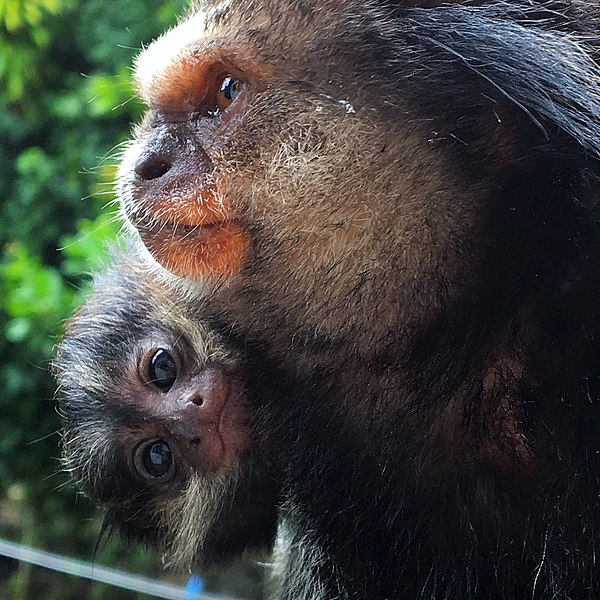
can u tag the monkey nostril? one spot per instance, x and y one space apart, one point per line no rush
197 399
151 167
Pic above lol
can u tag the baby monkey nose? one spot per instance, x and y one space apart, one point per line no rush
209 391
197 409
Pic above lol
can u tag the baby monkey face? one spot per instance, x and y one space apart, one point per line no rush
156 422
186 415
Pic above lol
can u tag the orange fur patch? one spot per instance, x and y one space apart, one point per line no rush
202 207
192 82
203 251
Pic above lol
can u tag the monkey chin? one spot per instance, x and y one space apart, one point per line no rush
191 525
195 252
189 227
192 519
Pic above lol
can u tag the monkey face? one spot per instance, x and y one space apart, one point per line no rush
196 421
157 426
286 166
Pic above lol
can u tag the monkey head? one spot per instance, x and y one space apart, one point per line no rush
156 423
317 161
287 165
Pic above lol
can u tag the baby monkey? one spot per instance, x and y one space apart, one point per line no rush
156 423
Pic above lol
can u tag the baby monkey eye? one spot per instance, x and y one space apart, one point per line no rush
153 460
229 89
162 370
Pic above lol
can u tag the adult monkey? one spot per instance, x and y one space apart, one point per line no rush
395 205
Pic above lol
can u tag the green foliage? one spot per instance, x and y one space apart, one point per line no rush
65 101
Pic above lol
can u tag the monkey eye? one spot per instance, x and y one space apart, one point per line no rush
229 89
162 370
153 460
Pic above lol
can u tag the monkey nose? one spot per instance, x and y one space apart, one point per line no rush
197 399
152 165
210 392
198 409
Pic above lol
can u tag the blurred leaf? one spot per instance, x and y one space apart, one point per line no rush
109 93
85 251
17 329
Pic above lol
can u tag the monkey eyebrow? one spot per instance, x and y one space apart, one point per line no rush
177 82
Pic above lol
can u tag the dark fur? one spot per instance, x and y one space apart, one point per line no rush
428 384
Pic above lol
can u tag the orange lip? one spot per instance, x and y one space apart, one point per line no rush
195 205
196 251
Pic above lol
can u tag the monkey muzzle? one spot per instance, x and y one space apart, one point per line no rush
195 425
178 206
